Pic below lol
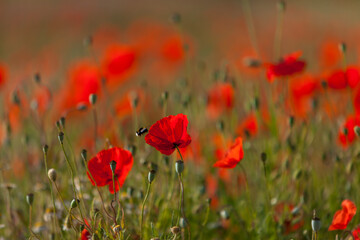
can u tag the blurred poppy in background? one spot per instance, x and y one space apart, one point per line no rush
343 217
233 156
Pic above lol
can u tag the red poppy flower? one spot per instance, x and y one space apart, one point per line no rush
85 235
2 75
99 167
84 79
118 63
220 98
340 79
356 233
172 49
343 217
290 65
248 126
168 133
233 156
346 134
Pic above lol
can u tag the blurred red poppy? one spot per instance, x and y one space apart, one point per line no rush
169 133
356 233
291 220
340 79
85 235
346 134
343 217
220 98
248 126
84 79
233 156
99 167
117 64
288 66
2 75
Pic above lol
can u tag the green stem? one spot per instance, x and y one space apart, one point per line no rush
142 209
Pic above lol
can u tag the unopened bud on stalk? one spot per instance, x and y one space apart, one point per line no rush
62 122
88 41
176 18
182 223
251 62
84 154
220 125
263 157
342 47
324 84
74 203
315 222
134 100
291 121
92 98
30 199
130 191
113 166
57 124
165 96
16 98
179 166
52 174
175 230
151 176
224 214
81 107
208 200
346 131
45 149
61 137
357 130
281 5
37 78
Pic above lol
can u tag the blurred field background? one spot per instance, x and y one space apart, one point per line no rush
183 48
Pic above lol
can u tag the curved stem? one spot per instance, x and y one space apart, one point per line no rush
142 209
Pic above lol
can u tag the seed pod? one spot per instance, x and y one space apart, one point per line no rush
84 154
92 98
52 174
315 223
175 230
151 176
179 166
45 149
224 214
74 203
263 157
30 199
61 137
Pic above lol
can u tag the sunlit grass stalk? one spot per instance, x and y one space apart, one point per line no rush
182 193
72 177
142 209
279 29
51 190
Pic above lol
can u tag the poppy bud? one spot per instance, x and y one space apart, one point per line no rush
182 223
113 166
45 149
256 103
342 47
175 230
62 122
74 203
281 5
134 100
263 157
57 124
151 176
37 78
220 125
165 96
81 107
252 62
315 223
92 98
179 166
61 137
357 130
15 98
324 84
224 214
84 154
208 200
132 149
30 199
52 174
291 121
345 131
176 18
88 41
